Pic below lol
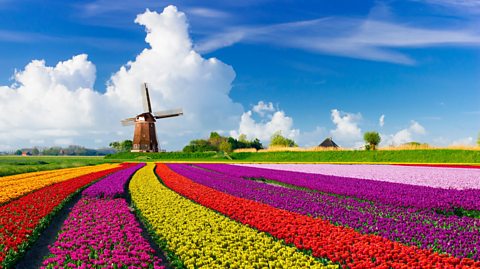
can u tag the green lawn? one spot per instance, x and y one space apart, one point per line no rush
381 156
10 165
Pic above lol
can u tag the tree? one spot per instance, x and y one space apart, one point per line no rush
216 139
255 143
123 146
115 145
35 151
242 138
278 140
18 152
199 145
372 139
126 145
225 147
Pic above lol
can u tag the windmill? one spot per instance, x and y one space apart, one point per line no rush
145 135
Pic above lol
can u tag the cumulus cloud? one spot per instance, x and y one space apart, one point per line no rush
261 108
271 121
381 121
347 130
58 104
405 135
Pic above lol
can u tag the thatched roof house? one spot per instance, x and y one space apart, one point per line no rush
328 143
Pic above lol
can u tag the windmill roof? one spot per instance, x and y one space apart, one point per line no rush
328 143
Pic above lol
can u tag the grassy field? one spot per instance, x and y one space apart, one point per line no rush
10 165
382 156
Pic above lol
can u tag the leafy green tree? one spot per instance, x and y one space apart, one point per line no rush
255 143
216 139
18 152
126 145
372 139
115 145
242 138
278 140
225 146
199 145
123 146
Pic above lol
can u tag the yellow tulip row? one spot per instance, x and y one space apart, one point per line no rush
200 237
12 187
16 179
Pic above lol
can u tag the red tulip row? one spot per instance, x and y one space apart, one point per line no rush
21 219
338 244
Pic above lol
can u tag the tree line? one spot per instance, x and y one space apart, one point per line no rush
71 150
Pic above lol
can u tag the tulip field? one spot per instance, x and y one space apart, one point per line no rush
218 215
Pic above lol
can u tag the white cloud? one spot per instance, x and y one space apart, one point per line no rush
208 13
261 108
58 104
467 141
406 135
469 6
373 38
347 131
270 122
311 138
381 121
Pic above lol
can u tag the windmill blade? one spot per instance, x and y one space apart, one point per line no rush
128 122
147 107
168 113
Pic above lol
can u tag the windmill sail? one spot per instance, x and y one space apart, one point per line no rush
147 107
168 113
127 122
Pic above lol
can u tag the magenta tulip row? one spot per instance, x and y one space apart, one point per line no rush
112 185
102 232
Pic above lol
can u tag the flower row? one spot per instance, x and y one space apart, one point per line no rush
21 219
201 237
12 187
396 194
112 185
424 228
338 244
456 177
101 233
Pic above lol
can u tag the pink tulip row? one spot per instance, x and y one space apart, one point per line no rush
437 177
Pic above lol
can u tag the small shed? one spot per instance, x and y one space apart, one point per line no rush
328 143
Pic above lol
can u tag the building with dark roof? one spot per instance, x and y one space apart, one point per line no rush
328 143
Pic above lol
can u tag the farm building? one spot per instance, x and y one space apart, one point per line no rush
328 143
26 153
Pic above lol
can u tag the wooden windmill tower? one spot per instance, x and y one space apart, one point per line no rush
145 135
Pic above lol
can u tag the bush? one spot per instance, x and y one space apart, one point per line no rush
278 140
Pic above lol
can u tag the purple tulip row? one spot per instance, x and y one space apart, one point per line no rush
396 194
412 226
112 185
437 177
102 232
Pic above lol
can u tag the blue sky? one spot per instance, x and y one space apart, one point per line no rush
415 62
